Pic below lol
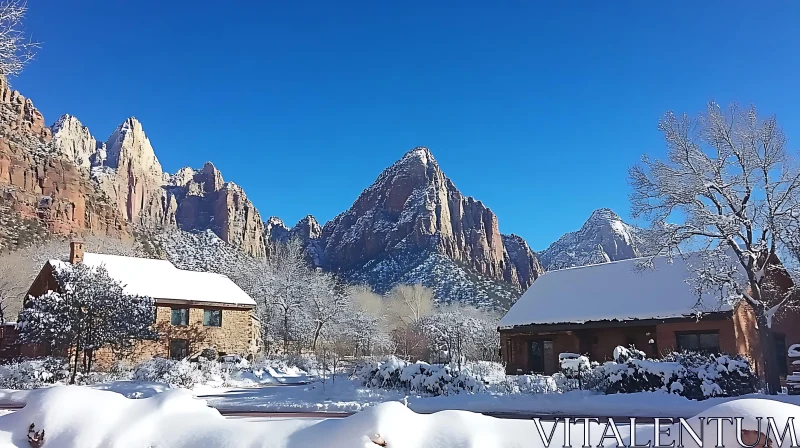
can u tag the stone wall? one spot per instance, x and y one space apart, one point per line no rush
234 337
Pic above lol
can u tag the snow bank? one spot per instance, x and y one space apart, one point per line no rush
74 416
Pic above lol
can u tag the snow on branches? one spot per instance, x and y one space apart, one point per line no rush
15 50
729 189
89 311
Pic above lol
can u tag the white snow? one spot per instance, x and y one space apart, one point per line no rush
160 279
619 290
80 417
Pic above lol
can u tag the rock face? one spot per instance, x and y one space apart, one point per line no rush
413 225
525 264
74 141
107 186
200 200
307 229
276 231
38 184
603 237
138 176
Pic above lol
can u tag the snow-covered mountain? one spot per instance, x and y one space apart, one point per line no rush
603 237
412 225
126 171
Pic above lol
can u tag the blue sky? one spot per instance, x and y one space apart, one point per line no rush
537 109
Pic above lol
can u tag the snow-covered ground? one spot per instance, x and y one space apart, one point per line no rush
348 396
74 416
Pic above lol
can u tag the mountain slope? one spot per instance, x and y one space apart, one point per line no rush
126 170
603 237
412 225
41 192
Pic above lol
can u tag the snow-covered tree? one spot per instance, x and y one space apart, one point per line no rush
15 49
458 333
19 268
286 291
368 324
89 311
727 187
327 302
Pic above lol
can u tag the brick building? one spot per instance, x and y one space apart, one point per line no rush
592 309
194 310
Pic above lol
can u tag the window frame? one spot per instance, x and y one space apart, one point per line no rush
172 311
697 334
207 312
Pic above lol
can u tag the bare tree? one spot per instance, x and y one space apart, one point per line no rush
15 49
726 187
288 281
410 303
327 301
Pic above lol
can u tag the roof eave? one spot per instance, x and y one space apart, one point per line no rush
201 304
566 326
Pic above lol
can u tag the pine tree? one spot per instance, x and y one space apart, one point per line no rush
89 311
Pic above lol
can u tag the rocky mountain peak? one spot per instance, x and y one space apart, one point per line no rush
41 189
275 230
18 115
74 141
128 144
210 177
604 214
603 237
307 228
413 208
182 177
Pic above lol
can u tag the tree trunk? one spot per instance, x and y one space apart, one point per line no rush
90 361
285 332
771 370
316 336
75 363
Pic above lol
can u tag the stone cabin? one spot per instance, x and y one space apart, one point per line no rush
194 310
592 309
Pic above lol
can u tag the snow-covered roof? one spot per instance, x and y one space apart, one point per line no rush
160 279
620 290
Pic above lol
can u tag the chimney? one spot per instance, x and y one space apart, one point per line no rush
75 252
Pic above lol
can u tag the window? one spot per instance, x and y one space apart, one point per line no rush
178 348
212 318
179 316
698 342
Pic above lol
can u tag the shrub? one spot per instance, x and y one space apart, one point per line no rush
182 373
714 375
690 374
34 373
531 384
419 377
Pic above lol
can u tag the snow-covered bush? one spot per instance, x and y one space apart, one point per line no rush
491 372
529 384
709 375
182 373
640 375
692 375
34 373
574 368
419 377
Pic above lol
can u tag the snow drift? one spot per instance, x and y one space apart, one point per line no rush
74 416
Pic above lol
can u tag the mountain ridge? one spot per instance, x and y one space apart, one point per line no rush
603 237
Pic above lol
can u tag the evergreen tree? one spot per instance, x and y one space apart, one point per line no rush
89 311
